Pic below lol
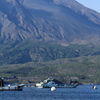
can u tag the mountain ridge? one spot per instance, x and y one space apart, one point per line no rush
48 20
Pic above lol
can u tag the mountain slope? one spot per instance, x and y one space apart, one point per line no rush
31 34
29 51
56 20
85 69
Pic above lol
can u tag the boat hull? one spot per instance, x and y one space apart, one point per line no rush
11 88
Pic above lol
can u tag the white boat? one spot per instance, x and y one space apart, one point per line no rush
39 85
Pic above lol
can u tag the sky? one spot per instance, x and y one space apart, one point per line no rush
93 4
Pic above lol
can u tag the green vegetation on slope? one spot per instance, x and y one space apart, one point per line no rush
86 69
41 60
28 51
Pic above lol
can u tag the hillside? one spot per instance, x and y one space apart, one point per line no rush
85 69
36 61
43 38
48 20
29 51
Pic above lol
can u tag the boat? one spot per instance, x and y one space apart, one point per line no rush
12 88
49 83
39 85
9 87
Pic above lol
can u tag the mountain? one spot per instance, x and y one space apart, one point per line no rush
48 20
43 38
42 30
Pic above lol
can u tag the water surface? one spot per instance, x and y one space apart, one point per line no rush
83 92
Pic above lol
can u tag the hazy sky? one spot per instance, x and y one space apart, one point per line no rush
94 4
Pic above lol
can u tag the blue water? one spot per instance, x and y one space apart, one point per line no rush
83 92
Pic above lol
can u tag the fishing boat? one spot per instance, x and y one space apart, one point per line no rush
9 87
49 83
12 88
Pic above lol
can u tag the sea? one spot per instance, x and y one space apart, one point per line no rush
82 92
